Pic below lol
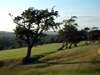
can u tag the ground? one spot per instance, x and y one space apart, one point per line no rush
46 60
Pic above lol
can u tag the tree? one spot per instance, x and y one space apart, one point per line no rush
32 24
87 29
92 34
69 33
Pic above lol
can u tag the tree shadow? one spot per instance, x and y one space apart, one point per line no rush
35 59
48 64
94 61
41 64
1 64
54 63
32 60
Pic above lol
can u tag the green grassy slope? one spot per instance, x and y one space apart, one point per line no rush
83 60
21 52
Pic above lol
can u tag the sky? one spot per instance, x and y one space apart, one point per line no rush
87 11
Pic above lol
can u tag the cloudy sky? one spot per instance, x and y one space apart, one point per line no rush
87 11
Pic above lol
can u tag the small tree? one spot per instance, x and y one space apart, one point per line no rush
87 29
32 24
92 34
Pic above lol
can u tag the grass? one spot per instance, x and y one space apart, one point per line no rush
21 52
82 60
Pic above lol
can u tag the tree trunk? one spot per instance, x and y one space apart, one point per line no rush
94 41
86 42
62 47
70 45
75 45
66 45
28 52
90 42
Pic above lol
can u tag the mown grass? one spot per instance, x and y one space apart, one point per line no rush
21 52
82 60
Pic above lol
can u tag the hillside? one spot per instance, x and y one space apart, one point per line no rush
82 60
51 33
4 33
7 40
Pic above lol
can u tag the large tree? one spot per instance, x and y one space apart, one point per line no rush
32 24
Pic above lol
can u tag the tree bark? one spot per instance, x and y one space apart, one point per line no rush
28 52
66 45
70 45
94 41
75 45
62 47
86 42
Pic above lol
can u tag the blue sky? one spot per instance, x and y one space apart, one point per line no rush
87 11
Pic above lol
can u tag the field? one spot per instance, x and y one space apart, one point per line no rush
82 60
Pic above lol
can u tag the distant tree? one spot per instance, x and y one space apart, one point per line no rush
69 34
52 40
58 40
87 29
94 28
92 34
5 41
95 34
32 24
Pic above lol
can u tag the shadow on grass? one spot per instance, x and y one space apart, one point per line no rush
32 60
48 64
96 60
70 62
83 62
1 64
40 64
35 59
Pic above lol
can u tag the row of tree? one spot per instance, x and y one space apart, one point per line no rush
71 35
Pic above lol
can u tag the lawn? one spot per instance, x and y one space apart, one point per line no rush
82 60
21 52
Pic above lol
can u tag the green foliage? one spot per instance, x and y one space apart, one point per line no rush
86 28
6 41
93 34
32 23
